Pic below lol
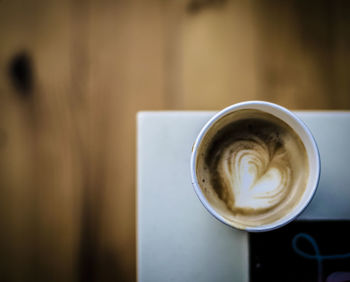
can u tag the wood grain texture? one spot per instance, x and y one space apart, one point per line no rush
40 175
219 55
73 75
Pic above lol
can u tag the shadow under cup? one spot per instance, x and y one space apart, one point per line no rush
293 202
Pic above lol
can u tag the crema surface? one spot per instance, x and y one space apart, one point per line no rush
253 167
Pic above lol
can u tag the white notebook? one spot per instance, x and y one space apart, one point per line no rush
177 239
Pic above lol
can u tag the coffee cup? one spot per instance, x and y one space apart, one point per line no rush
255 166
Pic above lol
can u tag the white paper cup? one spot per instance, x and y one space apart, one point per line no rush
305 136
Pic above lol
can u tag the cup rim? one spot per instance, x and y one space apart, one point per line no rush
255 104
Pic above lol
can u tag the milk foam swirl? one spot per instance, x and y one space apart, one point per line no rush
255 176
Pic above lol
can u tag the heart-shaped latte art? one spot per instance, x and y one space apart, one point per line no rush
255 177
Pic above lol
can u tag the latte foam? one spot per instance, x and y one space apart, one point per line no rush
253 177
253 168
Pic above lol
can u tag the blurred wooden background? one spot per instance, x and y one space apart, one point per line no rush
73 74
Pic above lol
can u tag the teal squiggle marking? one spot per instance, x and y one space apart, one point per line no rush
317 255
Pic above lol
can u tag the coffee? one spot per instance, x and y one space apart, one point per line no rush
252 167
